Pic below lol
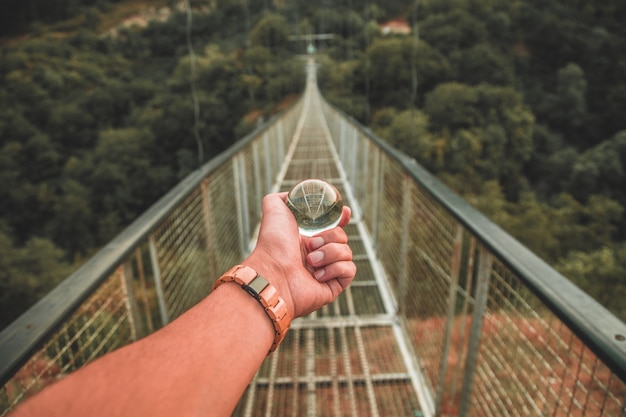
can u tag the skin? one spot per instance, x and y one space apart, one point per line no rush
201 363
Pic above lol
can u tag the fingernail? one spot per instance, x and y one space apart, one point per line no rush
316 256
317 242
319 274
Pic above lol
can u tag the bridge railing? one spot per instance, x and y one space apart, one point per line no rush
496 330
157 268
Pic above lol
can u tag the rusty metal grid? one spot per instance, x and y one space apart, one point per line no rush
530 363
100 325
332 371
506 355
183 256
311 158
425 296
344 359
166 274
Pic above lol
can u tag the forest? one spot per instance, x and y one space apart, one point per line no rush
515 104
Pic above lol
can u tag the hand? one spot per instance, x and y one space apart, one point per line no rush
309 272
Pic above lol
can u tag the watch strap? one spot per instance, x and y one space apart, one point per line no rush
265 293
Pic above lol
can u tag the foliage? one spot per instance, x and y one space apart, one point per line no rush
93 128
517 109
517 105
27 273
601 272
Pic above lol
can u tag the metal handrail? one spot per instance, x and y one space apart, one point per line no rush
23 337
513 313
600 329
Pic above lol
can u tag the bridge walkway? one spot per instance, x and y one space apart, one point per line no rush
350 357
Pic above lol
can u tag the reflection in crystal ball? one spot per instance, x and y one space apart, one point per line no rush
316 204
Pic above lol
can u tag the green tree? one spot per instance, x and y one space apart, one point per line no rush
390 72
271 32
453 106
27 273
408 131
515 218
122 179
71 127
584 227
601 169
600 273
566 108
455 30
71 223
482 63
485 130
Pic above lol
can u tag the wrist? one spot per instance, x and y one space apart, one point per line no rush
266 294
275 274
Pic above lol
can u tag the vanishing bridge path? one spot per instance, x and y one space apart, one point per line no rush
448 315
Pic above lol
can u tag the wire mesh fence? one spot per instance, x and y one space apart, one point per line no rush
492 326
445 316
162 265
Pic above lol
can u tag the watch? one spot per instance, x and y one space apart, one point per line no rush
265 293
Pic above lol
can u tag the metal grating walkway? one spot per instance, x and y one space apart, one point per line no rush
349 358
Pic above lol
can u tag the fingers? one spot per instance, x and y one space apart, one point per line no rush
329 254
343 272
331 258
335 235
275 203
346 212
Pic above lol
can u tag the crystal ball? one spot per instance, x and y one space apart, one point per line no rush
316 204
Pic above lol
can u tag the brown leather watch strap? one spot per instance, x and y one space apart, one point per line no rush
265 293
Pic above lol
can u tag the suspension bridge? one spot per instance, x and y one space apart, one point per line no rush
447 315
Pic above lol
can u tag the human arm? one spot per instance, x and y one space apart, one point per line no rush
201 363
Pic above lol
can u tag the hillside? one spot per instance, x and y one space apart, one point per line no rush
517 105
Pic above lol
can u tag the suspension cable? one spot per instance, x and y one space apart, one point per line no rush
367 63
192 83
413 103
414 56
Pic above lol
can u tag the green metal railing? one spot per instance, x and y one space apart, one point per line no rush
492 330
496 330
160 266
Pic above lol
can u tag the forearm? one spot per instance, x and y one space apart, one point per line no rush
198 365
201 363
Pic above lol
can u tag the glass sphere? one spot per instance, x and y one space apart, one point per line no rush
316 204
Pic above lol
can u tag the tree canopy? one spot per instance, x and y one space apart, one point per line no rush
516 105
96 127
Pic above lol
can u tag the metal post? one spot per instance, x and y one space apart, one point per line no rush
269 171
452 291
126 278
354 158
407 214
142 284
256 166
377 195
281 142
466 294
342 140
480 304
241 199
208 228
156 272
311 398
361 192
